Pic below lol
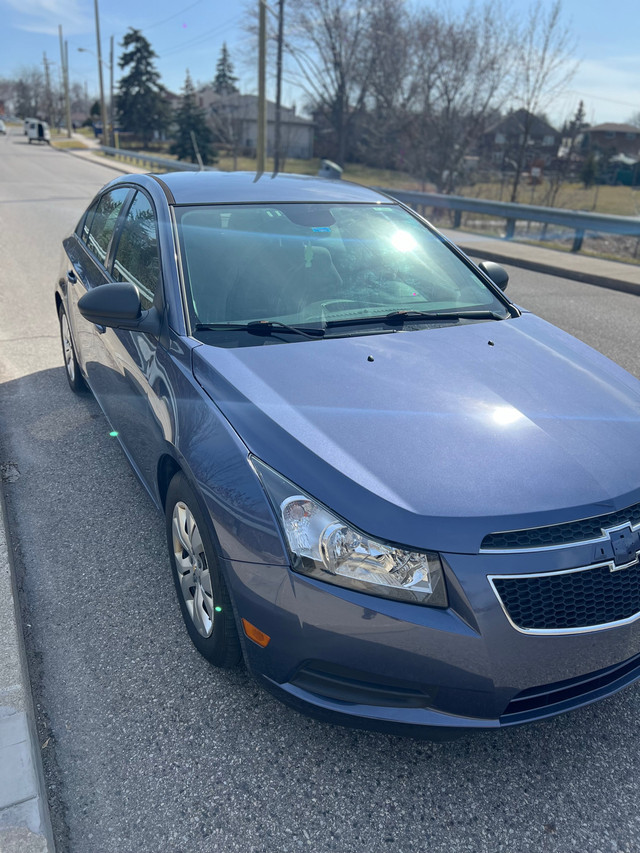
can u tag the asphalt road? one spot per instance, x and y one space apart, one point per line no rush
147 748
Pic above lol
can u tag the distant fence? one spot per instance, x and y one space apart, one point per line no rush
577 220
148 161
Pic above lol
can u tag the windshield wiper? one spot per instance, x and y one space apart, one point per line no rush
401 316
264 327
472 314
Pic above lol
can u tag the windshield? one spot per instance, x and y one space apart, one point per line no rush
301 264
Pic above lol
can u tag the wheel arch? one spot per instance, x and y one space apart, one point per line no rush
168 467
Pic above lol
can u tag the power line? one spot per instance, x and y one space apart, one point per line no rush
201 38
600 98
171 17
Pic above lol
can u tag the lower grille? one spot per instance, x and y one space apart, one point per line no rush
564 695
573 600
359 688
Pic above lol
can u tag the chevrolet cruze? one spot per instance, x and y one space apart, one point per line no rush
407 503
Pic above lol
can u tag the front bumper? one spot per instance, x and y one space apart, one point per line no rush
379 664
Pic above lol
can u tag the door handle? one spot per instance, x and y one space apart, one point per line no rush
71 276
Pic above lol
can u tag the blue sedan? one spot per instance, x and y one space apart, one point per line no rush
408 504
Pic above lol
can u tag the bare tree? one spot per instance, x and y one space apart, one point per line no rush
328 42
30 93
543 69
392 85
566 159
460 81
228 116
635 119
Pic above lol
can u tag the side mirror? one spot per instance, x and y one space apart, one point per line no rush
496 273
117 306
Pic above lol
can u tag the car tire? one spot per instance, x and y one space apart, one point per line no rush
202 592
71 366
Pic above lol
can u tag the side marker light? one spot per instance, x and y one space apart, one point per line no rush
255 634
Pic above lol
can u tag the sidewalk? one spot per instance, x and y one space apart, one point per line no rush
612 274
24 812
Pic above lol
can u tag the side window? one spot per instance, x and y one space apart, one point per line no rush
99 228
82 229
136 258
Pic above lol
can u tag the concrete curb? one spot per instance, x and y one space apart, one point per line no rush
25 825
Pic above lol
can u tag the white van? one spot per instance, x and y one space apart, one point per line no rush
38 130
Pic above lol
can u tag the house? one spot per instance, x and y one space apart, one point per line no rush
234 119
611 139
502 141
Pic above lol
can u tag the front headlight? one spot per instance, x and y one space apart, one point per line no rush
325 547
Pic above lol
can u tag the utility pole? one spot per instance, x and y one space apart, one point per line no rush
47 83
278 128
113 130
103 106
64 58
262 91
66 65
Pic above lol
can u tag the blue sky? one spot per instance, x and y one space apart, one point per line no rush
189 34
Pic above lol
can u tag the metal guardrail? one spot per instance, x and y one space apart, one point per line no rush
577 220
152 162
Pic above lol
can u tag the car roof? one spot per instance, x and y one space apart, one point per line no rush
211 187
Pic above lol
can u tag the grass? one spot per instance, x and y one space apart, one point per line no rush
359 174
64 142
621 201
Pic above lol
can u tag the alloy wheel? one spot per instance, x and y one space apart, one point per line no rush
192 568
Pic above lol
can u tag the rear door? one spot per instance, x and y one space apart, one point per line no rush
87 253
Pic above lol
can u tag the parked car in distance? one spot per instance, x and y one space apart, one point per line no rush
407 503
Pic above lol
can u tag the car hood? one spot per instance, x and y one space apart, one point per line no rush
435 437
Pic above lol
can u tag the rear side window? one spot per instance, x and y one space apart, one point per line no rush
83 226
136 258
98 228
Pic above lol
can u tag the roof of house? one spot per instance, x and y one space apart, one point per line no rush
515 123
611 127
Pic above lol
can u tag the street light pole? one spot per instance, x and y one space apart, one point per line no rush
103 106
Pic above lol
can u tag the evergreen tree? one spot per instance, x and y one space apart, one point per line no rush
224 82
191 118
141 103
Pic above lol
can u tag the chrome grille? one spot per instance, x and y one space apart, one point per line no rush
570 601
568 533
